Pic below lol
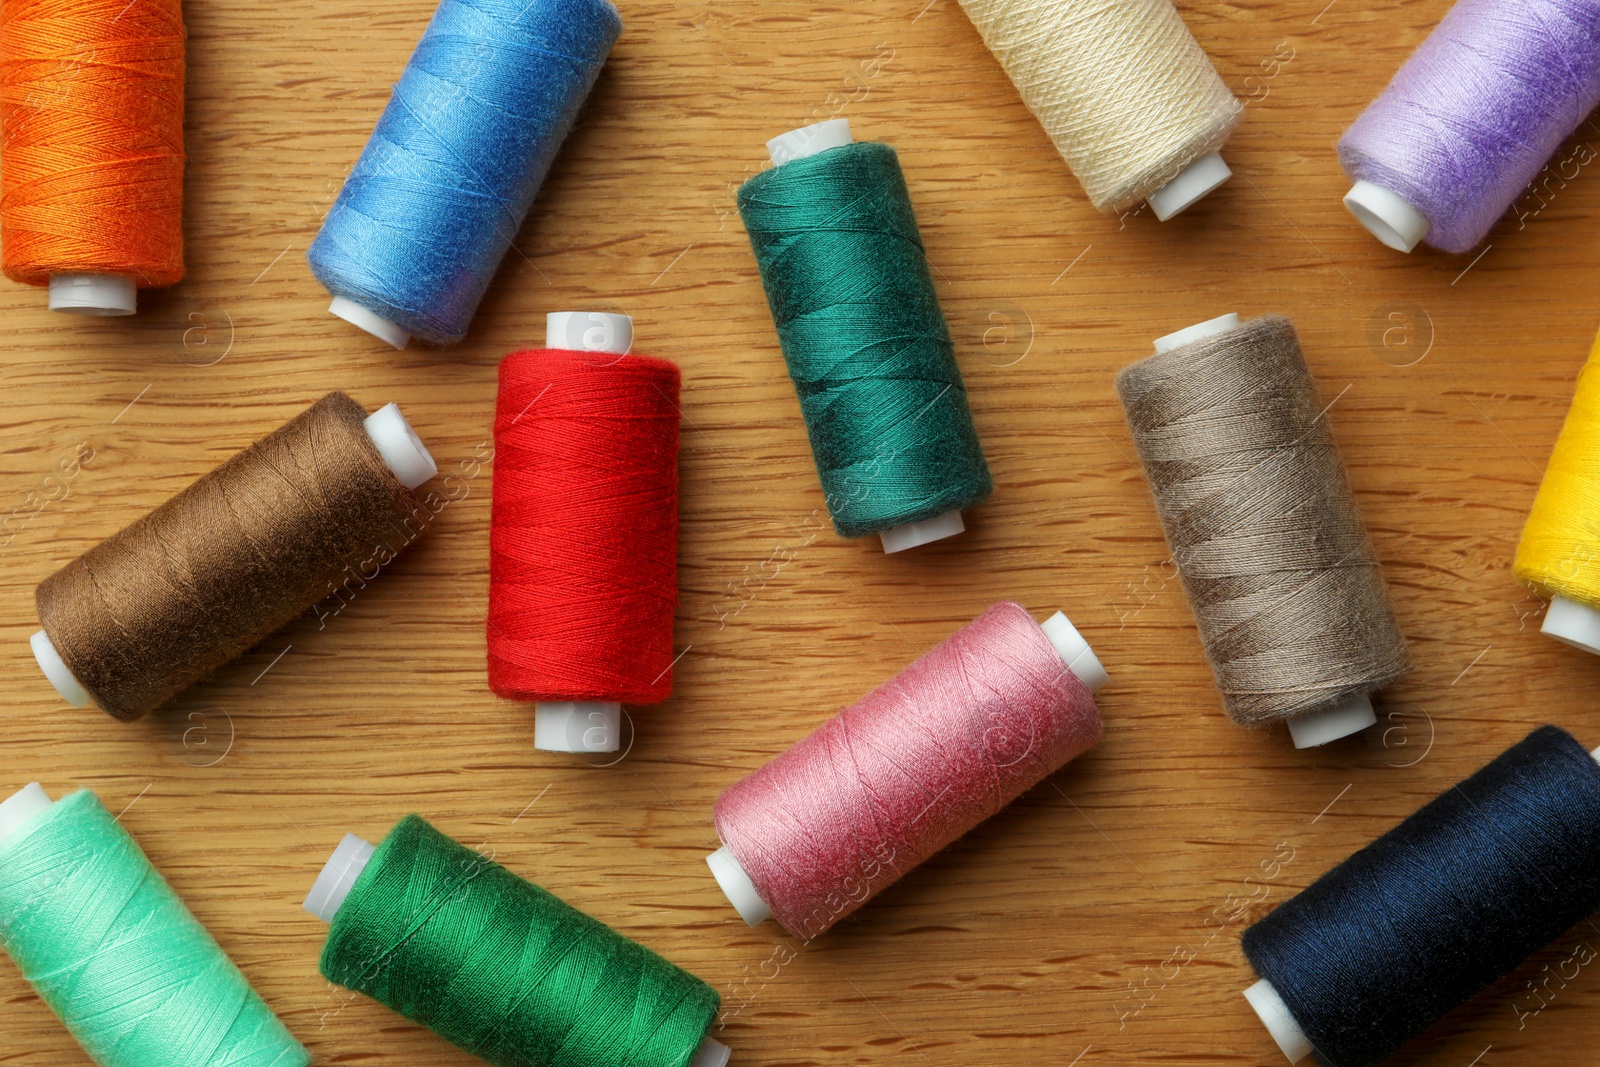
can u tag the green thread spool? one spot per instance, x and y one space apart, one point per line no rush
499 967
868 350
113 951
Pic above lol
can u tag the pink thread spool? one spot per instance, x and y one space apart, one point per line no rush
916 763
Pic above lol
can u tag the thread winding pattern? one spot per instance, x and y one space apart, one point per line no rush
583 536
91 139
1457 895
1559 554
503 969
1121 86
112 950
892 779
158 606
1287 594
474 124
1477 110
866 343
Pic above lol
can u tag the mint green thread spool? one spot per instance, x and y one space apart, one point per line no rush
112 950
499 967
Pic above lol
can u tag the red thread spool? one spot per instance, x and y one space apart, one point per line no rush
966 729
583 537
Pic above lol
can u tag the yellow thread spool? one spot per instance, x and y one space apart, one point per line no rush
1559 554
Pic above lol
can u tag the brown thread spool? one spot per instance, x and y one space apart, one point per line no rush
159 605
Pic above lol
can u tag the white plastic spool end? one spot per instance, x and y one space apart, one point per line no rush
55 669
588 331
911 534
711 1053
402 450
1573 624
1198 332
1075 651
18 809
375 324
93 294
1192 184
737 887
1330 724
1387 215
332 886
1274 1015
577 726
809 141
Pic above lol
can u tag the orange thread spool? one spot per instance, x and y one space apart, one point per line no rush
91 149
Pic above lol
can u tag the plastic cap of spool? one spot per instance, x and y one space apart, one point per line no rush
1275 1016
20 807
93 294
1198 332
1192 185
55 669
376 325
338 875
737 887
711 1053
577 726
1330 724
1387 215
809 141
588 331
1573 623
911 534
1075 651
402 450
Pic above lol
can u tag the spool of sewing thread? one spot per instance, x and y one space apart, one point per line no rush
1471 119
1263 528
441 190
322 502
497 966
91 176
913 765
1559 554
1124 90
111 949
1455 897
583 533
866 343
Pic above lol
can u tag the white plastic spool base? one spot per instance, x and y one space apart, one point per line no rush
93 294
1330 724
577 726
911 534
1198 332
730 874
1387 215
1274 1015
809 141
18 809
403 453
1193 184
1573 623
588 331
375 324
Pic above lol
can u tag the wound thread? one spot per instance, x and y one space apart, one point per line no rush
1263 528
1409 928
1559 553
112 950
583 536
156 607
91 139
503 969
918 762
441 189
867 347
1121 86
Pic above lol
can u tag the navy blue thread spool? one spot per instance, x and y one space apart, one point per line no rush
1456 896
443 185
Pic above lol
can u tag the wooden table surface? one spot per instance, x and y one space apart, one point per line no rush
1097 919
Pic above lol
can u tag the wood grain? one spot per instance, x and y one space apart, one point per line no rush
1097 919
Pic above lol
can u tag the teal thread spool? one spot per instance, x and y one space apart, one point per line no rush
868 350
115 954
499 967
